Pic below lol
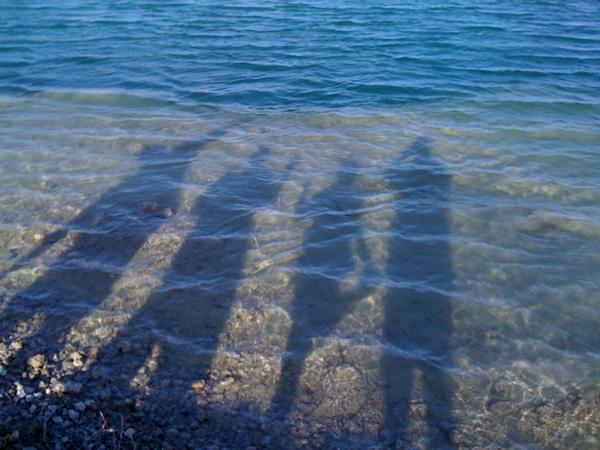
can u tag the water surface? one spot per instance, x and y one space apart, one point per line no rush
385 218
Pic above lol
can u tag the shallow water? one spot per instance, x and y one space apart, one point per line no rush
384 217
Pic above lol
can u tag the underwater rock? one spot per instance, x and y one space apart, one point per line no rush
37 362
68 387
156 209
79 406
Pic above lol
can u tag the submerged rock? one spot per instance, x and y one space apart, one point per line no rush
79 406
156 209
37 362
68 387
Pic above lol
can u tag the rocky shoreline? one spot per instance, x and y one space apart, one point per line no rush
41 407
50 401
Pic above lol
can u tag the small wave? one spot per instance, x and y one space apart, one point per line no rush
104 97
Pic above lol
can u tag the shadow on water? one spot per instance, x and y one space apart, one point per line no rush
197 292
319 302
419 282
418 313
108 234
194 299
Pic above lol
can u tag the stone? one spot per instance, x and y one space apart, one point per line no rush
129 432
198 386
71 387
73 415
37 362
20 391
156 209
76 358
79 406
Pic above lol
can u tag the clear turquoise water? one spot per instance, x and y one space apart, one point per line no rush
542 56
392 204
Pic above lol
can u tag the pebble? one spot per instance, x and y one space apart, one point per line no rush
155 209
77 359
129 432
79 406
68 387
19 389
57 419
90 404
198 386
72 387
37 362
73 415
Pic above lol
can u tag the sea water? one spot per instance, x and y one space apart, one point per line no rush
376 215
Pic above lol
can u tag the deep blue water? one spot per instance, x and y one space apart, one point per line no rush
318 54
377 218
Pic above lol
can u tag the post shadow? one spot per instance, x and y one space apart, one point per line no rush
418 311
197 292
318 301
109 232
